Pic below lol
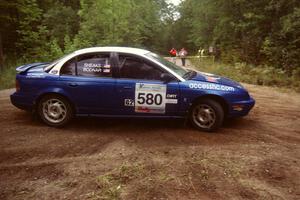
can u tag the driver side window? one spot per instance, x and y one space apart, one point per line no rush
135 68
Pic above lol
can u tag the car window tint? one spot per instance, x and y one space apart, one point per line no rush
135 68
69 68
94 65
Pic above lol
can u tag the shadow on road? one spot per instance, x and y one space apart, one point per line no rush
136 125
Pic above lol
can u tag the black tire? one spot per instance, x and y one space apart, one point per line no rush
211 115
61 109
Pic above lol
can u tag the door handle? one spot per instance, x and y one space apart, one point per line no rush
127 87
73 84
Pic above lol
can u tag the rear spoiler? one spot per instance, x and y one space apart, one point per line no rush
26 67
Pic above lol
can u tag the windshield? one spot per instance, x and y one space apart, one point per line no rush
177 69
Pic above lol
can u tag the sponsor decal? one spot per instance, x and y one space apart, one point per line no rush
128 102
172 99
106 70
106 66
211 79
35 75
171 96
150 98
210 86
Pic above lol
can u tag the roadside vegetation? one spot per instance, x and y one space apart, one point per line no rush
241 72
258 75
261 33
8 76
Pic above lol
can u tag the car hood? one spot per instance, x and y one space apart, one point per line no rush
212 78
33 67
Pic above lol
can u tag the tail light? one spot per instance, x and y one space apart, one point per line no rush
17 86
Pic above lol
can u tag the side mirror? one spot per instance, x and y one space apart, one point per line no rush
166 77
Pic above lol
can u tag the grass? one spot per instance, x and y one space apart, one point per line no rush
8 73
111 184
262 75
7 77
137 180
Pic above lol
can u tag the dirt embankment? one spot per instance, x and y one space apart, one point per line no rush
255 157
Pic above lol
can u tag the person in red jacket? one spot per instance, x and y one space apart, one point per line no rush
173 53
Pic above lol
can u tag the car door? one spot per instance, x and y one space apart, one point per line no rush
141 91
88 81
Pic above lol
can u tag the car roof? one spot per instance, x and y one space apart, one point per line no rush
130 50
112 49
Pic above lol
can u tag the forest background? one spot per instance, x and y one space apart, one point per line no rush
260 37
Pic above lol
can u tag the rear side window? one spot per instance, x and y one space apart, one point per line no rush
88 65
95 65
69 68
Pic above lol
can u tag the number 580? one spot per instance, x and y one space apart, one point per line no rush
149 98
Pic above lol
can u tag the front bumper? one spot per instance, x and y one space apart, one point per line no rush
241 108
21 101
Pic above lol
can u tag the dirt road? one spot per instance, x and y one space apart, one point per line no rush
256 157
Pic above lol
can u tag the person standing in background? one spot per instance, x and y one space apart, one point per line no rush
182 54
202 52
173 53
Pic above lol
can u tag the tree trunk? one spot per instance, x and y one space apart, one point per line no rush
1 53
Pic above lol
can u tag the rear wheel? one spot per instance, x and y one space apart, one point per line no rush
55 110
207 115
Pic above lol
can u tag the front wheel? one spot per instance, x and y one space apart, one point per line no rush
207 115
55 110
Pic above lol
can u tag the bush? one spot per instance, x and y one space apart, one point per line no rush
7 77
260 75
8 73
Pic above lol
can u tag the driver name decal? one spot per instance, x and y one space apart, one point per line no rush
97 65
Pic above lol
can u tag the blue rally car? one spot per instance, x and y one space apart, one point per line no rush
126 82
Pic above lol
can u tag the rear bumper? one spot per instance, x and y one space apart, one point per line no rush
21 101
241 108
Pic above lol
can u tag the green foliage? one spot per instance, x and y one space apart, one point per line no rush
8 75
55 50
7 78
69 46
283 48
42 32
256 32
101 19
118 22
32 33
260 75
61 21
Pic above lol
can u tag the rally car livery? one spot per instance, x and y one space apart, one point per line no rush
126 82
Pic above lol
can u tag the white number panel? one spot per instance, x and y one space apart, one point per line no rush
150 98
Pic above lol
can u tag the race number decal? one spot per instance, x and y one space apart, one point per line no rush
150 98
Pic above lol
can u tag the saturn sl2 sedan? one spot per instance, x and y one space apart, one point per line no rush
126 82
